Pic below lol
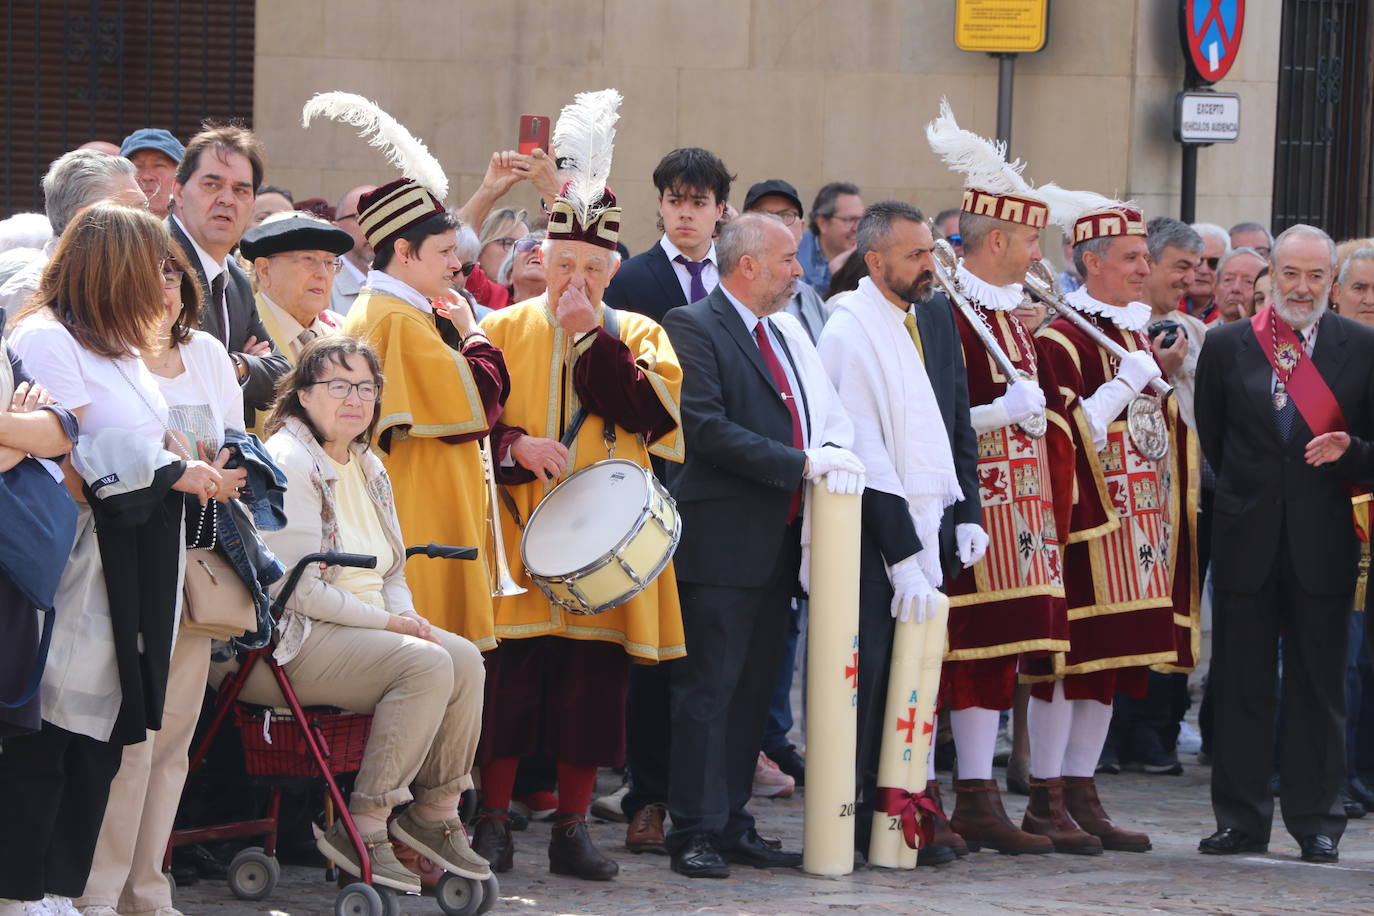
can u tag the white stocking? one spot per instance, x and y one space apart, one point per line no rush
975 739
1091 720
1049 724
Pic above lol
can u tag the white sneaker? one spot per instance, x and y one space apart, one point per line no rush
38 908
61 906
609 808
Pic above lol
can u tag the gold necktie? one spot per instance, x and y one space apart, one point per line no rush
910 322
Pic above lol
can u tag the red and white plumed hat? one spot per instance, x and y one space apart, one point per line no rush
992 186
584 138
1087 215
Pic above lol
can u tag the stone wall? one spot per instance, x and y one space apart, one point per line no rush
805 90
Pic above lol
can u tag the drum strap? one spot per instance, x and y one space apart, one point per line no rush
612 325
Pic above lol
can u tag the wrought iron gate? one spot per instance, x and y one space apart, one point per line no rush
80 70
1324 135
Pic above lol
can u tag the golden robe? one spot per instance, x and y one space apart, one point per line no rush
541 362
431 391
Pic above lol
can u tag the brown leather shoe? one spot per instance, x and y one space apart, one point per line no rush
945 835
982 821
1047 817
644 833
1080 798
571 852
491 839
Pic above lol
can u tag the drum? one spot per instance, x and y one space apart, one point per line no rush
600 536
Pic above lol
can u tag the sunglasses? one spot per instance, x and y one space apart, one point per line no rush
956 239
1211 262
527 244
468 268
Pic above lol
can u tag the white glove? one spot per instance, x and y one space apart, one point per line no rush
1023 400
912 593
842 481
827 458
972 542
1138 368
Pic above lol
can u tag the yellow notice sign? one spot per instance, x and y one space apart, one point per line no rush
1005 26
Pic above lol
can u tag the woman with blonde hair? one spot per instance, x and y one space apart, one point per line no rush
99 305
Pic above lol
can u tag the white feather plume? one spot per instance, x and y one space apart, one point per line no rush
982 162
1067 206
584 138
403 149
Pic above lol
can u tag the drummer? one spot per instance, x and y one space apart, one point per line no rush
561 679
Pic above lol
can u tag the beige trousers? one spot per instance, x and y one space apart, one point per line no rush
126 872
425 700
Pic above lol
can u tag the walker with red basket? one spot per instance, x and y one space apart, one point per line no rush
319 741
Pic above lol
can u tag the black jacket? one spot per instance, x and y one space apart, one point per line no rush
740 472
646 283
259 389
1268 499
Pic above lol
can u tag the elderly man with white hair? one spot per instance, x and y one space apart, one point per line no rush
73 181
1285 414
1200 301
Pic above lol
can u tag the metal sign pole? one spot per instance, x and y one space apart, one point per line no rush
1006 74
1187 204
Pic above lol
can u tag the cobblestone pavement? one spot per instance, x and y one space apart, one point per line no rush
1171 879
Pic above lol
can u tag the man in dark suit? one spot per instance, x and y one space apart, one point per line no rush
214 190
1284 550
693 188
758 424
693 185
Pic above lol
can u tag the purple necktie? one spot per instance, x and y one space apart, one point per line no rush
694 268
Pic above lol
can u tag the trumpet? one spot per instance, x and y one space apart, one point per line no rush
503 584
1041 283
945 264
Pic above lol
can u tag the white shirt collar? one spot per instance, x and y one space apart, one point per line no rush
750 320
674 252
353 271
288 323
1133 316
212 268
998 298
385 283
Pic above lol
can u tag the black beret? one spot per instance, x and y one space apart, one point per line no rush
296 233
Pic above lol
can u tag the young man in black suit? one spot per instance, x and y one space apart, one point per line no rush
1280 401
760 418
693 187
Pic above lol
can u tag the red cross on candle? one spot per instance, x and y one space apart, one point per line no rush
908 723
851 672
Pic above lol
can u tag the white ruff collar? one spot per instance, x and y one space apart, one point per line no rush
1130 317
998 298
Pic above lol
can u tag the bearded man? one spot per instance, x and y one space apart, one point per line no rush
1281 400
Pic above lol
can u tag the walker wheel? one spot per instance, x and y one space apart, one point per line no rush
391 905
359 899
253 874
459 896
491 890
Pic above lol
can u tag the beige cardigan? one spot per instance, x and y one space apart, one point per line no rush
312 526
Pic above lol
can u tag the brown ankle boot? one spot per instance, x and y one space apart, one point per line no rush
571 852
491 839
1080 798
982 821
945 835
1046 816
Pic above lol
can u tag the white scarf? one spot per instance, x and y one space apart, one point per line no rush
998 298
899 433
384 282
1129 317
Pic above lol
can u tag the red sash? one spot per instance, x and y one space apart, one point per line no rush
1309 391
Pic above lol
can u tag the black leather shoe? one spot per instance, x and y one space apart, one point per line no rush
750 849
790 762
1319 848
935 855
1229 842
1353 808
700 859
1359 789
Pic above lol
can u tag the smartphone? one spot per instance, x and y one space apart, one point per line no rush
534 134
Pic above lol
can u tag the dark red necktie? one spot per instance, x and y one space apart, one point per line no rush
770 359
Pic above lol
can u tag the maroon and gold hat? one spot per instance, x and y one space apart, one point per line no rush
395 207
1014 208
1108 221
602 226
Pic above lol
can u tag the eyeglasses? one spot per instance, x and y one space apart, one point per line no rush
847 220
340 389
172 275
788 217
313 263
1211 262
468 268
527 244
505 242
956 239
